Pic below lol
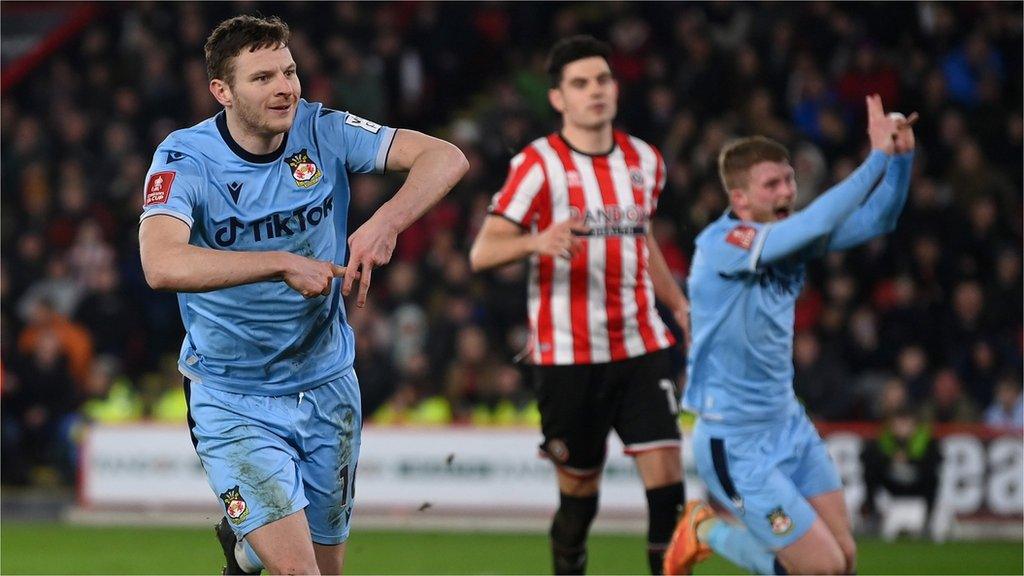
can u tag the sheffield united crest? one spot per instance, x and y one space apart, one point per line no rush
304 171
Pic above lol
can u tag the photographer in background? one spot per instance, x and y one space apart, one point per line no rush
904 460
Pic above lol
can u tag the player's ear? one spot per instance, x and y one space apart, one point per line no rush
738 198
221 92
557 100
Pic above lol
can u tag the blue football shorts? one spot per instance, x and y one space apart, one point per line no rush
764 477
270 456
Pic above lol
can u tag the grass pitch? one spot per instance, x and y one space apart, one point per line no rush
62 549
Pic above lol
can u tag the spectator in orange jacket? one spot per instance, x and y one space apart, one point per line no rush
75 341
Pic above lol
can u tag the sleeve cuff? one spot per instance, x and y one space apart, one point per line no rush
380 164
877 155
167 212
509 218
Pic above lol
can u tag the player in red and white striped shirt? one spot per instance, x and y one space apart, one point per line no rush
578 203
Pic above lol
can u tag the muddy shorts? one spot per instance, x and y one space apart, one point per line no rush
269 456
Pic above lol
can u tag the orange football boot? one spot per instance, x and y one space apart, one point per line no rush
685 550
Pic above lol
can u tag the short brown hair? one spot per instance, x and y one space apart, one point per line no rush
740 155
233 35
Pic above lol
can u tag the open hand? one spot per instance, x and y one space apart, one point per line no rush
560 239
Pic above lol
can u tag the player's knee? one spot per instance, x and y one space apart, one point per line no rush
573 518
825 559
833 563
293 566
578 486
849 547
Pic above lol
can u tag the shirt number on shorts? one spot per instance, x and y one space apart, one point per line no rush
345 484
670 392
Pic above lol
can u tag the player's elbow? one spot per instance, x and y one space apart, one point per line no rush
157 279
477 262
456 160
159 274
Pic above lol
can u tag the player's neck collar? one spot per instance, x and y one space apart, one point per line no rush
576 150
222 127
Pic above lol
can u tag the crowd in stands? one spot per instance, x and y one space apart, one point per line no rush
929 317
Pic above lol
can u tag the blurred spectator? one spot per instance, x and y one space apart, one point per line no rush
968 64
45 326
44 403
820 380
1007 410
472 378
912 368
892 399
105 312
904 461
56 289
108 396
948 403
869 75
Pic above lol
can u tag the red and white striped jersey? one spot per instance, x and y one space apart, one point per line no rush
599 307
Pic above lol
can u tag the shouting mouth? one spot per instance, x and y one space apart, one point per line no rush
783 212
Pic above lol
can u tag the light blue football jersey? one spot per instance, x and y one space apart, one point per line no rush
740 365
743 290
265 338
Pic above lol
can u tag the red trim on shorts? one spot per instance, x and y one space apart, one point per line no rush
634 449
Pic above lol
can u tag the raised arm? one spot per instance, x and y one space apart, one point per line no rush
792 235
880 213
171 263
823 216
434 167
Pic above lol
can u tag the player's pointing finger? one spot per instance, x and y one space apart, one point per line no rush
364 283
350 276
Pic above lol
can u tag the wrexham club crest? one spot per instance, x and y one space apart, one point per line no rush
304 171
235 506
780 522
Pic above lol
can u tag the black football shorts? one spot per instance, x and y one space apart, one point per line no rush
579 405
